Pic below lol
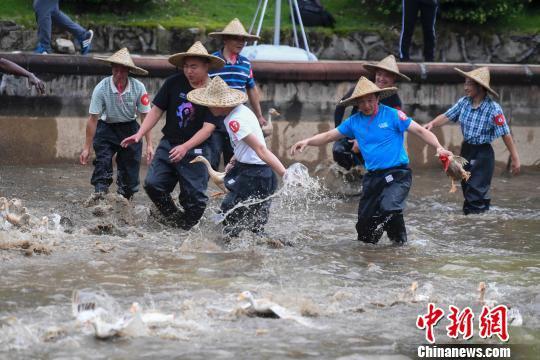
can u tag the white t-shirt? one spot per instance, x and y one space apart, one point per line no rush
240 123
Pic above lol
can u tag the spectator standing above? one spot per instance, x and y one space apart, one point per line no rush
428 14
47 12
238 74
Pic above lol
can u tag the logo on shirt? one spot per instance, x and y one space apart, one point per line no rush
499 120
185 114
234 126
402 115
383 125
145 100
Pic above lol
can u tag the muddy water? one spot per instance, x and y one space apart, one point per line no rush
350 290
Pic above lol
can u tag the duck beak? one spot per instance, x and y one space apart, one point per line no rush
241 297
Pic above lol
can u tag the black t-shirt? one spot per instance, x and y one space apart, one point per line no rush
392 101
183 118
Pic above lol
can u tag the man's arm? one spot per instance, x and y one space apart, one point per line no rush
178 152
428 137
438 121
11 68
90 132
264 154
149 122
316 140
254 100
516 164
148 138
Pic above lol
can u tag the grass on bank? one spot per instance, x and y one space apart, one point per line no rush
214 14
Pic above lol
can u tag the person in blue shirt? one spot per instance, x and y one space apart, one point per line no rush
238 74
482 121
379 130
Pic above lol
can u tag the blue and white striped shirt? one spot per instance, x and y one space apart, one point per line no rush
479 125
238 75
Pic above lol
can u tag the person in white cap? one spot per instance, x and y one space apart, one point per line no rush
249 175
238 74
379 130
187 127
116 103
482 121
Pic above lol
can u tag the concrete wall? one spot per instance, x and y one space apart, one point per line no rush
37 130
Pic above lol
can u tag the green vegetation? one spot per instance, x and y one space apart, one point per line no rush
351 15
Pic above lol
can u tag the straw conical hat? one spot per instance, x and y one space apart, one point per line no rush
481 76
235 28
217 94
196 50
389 64
122 57
366 87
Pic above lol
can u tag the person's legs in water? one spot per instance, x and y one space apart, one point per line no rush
393 199
395 228
104 148
481 164
193 179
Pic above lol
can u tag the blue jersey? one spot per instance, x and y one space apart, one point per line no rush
479 125
237 75
380 137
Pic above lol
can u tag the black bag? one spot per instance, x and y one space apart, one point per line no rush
314 14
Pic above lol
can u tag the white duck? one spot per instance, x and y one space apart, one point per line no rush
265 307
151 318
217 177
268 128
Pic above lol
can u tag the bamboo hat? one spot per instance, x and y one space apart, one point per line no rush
122 57
217 94
481 76
196 50
235 28
389 64
366 87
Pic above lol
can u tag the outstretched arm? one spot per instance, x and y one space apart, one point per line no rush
428 137
316 140
149 122
264 154
438 121
11 68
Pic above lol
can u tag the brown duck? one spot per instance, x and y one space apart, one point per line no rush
453 166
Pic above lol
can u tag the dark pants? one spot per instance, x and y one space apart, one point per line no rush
128 160
428 13
247 182
481 164
162 177
343 154
384 193
47 12
220 143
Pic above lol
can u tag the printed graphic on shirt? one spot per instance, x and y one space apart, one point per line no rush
499 120
402 115
185 113
234 126
145 100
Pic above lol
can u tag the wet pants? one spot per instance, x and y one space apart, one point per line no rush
481 164
428 13
128 160
47 12
219 143
381 206
343 154
247 182
162 177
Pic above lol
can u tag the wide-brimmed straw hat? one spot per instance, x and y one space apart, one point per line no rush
366 87
196 50
481 76
235 28
217 94
122 57
389 64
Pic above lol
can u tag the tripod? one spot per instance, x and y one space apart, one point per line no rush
294 10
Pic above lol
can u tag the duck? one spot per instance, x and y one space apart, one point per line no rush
268 128
217 177
453 166
481 295
268 308
150 318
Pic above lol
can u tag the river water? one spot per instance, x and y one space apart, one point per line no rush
352 293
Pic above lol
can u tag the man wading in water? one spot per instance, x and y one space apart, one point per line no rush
187 127
482 121
379 130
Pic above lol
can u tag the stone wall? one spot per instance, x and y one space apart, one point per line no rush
451 46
